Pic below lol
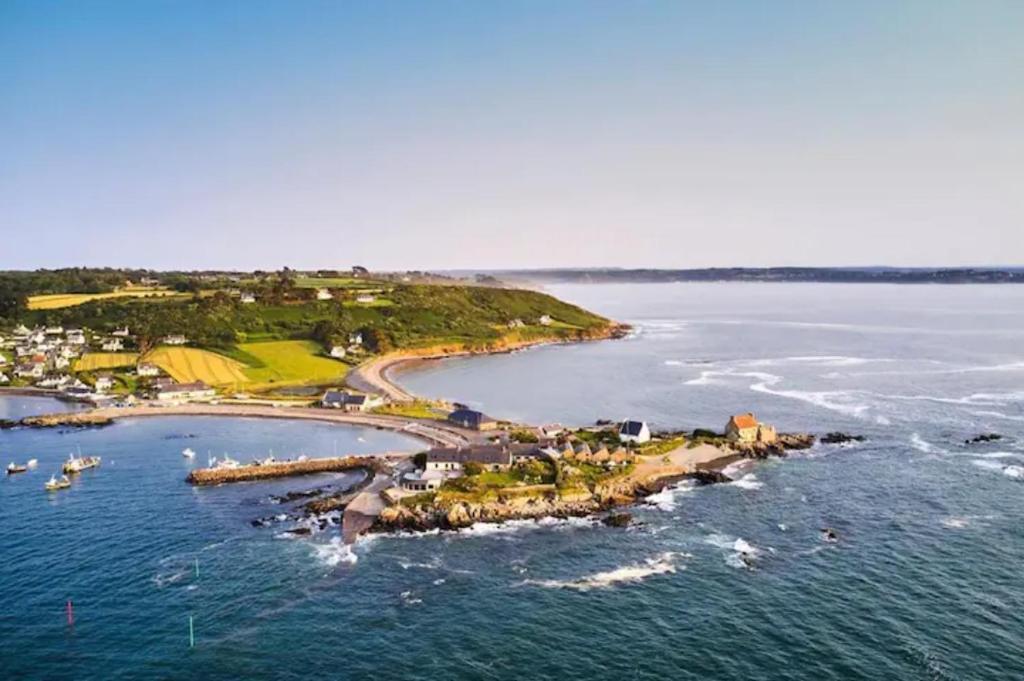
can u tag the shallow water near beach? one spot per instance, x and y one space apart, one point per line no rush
729 581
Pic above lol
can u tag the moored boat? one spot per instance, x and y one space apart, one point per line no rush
13 468
80 463
54 484
188 453
32 463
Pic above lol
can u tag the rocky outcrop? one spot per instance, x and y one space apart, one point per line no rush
838 438
779 447
463 514
83 419
618 519
984 437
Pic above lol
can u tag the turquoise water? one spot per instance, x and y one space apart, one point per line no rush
924 584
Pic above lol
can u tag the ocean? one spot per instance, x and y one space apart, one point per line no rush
924 583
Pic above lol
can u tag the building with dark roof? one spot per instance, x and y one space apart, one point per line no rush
634 431
474 420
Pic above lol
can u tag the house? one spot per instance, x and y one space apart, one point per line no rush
3 379
746 428
104 382
175 339
491 457
323 294
183 391
516 324
21 330
423 481
247 299
54 330
75 337
121 333
56 381
112 345
355 339
61 362
474 420
634 431
365 298
339 399
337 352
146 369
29 370
545 320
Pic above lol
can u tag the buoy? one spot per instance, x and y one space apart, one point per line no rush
71 615
191 633
197 568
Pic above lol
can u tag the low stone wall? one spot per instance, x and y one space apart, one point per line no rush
217 476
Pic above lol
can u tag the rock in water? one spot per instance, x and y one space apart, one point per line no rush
618 519
838 438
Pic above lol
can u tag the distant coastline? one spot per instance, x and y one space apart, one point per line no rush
835 275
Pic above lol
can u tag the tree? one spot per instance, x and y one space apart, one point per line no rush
472 468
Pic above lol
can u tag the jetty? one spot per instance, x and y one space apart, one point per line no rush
284 469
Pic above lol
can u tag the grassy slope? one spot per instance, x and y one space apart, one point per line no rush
292 362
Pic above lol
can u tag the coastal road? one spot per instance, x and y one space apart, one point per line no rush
436 433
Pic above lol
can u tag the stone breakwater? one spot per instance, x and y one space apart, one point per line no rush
217 476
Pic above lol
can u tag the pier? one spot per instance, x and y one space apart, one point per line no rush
284 469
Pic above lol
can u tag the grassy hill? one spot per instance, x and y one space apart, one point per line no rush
283 338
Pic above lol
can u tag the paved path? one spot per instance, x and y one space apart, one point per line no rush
434 432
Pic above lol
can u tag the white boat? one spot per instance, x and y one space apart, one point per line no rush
188 453
227 462
77 464
13 468
54 484
32 463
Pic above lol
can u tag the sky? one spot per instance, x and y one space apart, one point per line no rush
536 133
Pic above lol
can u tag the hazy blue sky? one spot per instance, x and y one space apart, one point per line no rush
473 134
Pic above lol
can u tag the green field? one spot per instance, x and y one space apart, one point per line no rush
293 362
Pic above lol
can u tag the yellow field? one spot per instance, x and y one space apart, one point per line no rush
186 365
95 361
58 300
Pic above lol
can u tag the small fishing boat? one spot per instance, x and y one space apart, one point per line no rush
13 468
188 453
54 484
77 464
226 463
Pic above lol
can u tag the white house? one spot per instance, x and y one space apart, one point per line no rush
104 383
323 294
545 320
145 369
175 339
355 339
339 399
634 431
4 379
121 333
185 391
337 352
112 345
365 298
75 337
54 330
248 299
29 370
61 362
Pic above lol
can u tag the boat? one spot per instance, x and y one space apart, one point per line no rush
226 463
13 468
188 453
54 484
77 464
32 463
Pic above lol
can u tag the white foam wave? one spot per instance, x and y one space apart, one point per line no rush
1015 472
999 415
955 523
334 553
748 481
666 499
923 446
637 572
740 553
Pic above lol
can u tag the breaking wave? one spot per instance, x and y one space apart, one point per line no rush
666 499
334 553
637 572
